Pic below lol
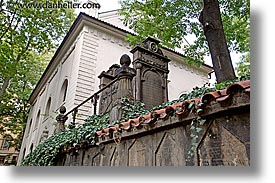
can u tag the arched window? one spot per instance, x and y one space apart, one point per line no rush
31 148
24 152
48 107
29 127
37 119
63 93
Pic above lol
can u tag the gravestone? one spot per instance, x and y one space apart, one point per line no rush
150 83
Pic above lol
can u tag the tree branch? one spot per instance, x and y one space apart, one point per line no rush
9 26
4 88
7 81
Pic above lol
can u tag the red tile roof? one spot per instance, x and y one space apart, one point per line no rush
180 108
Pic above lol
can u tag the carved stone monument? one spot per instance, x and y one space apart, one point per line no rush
122 87
150 83
146 82
106 97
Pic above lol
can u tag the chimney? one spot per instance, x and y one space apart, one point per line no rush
91 7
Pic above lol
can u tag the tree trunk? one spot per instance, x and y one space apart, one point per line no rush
210 18
3 88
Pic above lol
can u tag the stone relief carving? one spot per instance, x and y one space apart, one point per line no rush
152 69
107 97
153 60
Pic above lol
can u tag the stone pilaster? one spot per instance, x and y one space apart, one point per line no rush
125 76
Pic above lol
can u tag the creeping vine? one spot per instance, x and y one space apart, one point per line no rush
46 153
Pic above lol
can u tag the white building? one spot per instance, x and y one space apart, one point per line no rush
91 46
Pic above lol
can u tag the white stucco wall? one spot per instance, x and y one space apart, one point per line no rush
182 79
67 68
99 50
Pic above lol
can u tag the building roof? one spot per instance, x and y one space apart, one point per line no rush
69 36
211 103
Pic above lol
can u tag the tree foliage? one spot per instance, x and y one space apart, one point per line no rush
27 38
176 21
243 67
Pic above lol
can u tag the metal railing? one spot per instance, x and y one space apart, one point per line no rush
94 99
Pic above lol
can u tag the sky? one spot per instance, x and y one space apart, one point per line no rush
107 5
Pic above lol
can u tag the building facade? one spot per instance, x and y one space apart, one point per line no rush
91 46
8 154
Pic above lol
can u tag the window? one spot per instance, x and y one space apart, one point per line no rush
29 127
31 148
48 107
24 152
63 93
37 119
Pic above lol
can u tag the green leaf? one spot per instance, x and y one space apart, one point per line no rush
202 121
172 22
191 105
199 110
198 129
192 128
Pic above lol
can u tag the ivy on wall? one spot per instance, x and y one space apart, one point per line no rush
46 153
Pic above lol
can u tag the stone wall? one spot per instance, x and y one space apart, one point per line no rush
164 137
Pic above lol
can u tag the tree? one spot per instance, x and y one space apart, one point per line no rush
172 21
27 37
210 18
243 67
14 106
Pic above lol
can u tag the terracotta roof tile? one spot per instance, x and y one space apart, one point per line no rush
239 86
211 96
98 133
154 116
196 100
223 98
180 108
222 92
147 116
247 90
134 122
125 125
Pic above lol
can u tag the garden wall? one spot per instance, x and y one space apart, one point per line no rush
173 136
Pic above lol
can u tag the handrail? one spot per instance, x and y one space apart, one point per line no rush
94 96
